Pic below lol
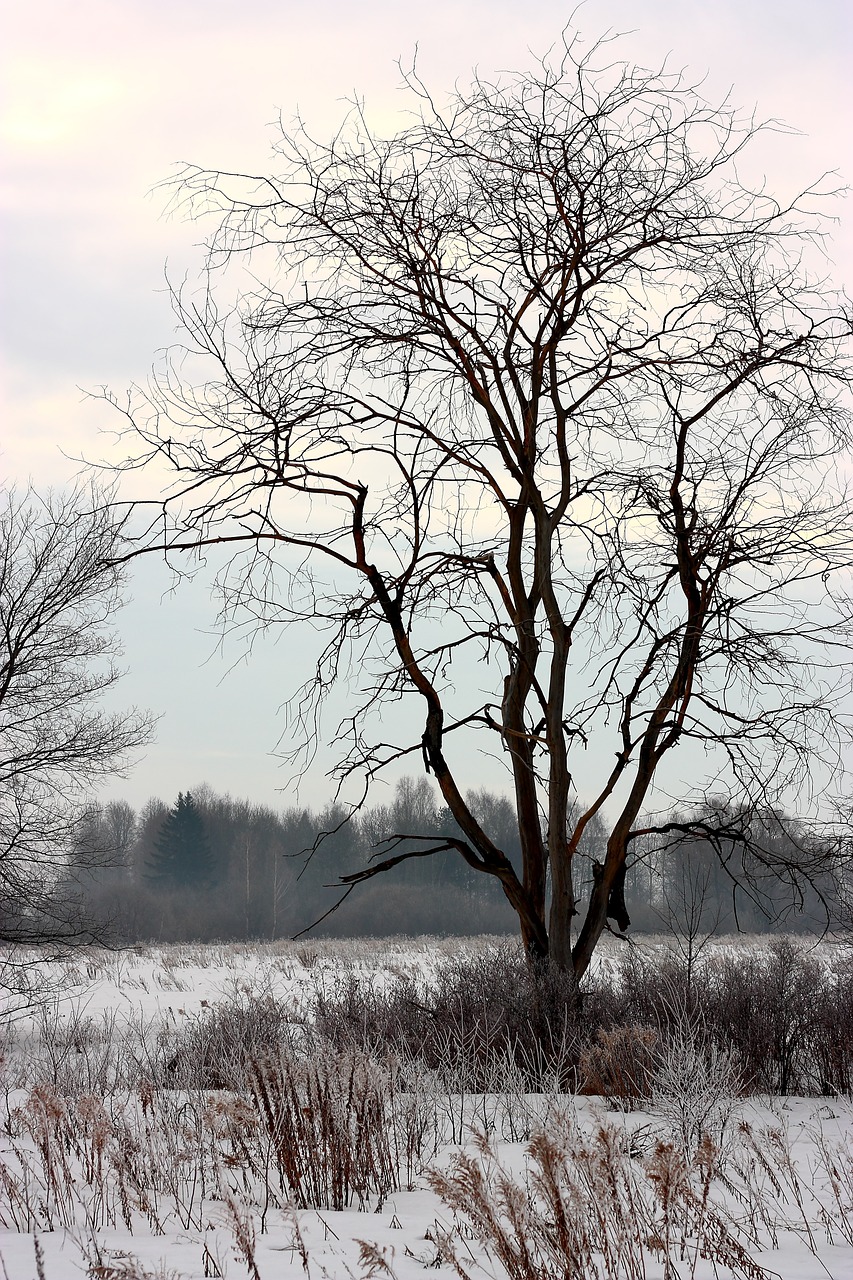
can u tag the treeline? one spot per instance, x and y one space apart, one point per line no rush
210 867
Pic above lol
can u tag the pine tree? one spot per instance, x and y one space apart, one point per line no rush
182 857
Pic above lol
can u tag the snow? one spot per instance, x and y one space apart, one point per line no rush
804 1233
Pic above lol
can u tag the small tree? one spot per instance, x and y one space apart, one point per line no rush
181 858
60 586
536 384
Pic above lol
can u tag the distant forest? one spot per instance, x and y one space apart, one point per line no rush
207 867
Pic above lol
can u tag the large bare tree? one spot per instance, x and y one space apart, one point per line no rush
60 586
536 408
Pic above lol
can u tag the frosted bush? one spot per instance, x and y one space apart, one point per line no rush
695 1084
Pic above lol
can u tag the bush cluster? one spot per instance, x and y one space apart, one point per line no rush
486 1022
786 1017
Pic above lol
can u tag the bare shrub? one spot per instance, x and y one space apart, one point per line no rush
831 1024
772 1008
76 1053
476 1013
216 1047
787 1019
695 1084
677 1067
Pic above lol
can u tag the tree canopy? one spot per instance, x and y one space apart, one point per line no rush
534 408
181 856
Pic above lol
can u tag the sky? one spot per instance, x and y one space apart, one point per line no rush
100 102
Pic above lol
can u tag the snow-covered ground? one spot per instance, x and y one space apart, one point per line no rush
105 1176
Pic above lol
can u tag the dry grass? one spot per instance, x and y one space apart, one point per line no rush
589 1209
239 1119
591 1205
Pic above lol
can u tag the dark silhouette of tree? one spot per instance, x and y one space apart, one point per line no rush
104 839
60 587
181 858
537 390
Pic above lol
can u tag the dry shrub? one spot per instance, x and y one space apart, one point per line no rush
788 1017
620 1065
832 1040
216 1047
475 1014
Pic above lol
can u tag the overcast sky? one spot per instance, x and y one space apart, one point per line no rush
102 99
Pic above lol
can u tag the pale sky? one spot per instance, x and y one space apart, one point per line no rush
101 98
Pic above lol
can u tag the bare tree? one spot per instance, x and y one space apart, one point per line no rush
59 589
105 837
537 416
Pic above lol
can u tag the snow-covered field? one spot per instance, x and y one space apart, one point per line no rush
327 1163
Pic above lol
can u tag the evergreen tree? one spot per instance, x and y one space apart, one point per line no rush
182 857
